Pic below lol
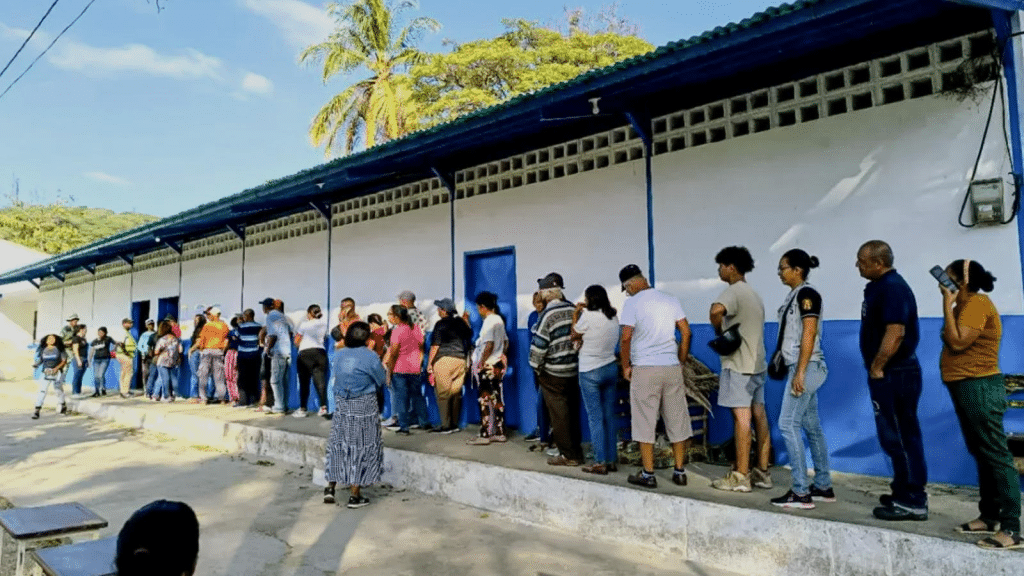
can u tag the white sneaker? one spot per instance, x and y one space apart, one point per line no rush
390 422
300 413
553 452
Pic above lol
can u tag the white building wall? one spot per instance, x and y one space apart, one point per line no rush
897 173
293 270
50 318
78 300
586 227
153 284
374 260
113 304
207 281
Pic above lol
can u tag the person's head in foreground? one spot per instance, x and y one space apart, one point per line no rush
160 539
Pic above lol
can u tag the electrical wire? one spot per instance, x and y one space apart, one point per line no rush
43 53
1018 179
30 35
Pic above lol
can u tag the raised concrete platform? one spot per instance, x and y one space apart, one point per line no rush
736 532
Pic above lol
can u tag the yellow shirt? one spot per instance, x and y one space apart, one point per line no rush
981 358
213 335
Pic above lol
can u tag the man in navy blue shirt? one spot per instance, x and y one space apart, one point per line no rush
889 334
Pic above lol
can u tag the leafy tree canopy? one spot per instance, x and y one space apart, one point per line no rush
525 58
57 227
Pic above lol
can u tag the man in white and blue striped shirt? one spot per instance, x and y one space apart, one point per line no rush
248 358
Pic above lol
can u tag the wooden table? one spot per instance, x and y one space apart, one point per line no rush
89 558
30 526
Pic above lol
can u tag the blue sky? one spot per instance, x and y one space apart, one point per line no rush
159 112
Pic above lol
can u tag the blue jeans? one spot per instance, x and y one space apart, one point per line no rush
802 413
895 397
99 373
598 388
279 381
154 373
408 400
167 381
76 382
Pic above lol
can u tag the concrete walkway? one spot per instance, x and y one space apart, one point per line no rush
738 532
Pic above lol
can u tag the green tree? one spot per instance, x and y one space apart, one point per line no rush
526 57
377 108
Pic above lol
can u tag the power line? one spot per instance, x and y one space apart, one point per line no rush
30 35
43 53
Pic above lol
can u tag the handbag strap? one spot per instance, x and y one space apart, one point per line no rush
782 323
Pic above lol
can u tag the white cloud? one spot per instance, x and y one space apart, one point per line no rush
107 178
300 23
136 58
257 84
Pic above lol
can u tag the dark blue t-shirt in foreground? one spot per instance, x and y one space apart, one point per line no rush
888 300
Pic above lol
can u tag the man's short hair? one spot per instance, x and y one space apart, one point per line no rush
550 294
880 250
737 256
357 335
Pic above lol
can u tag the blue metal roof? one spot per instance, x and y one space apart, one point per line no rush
787 39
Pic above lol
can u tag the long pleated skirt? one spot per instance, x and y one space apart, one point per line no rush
355 449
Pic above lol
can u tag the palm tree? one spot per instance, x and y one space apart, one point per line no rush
378 108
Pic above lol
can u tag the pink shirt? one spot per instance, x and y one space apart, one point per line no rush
410 343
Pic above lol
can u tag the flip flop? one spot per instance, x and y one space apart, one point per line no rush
993 544
990 527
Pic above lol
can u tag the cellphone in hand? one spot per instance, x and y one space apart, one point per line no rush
940 274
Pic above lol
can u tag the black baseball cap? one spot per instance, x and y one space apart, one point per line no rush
267 302
629 271
552 280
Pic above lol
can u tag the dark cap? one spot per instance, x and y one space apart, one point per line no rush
447 305
127 321
552 280
170 318
267 302
629 271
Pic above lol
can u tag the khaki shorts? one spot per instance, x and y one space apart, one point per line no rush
658 390
736 390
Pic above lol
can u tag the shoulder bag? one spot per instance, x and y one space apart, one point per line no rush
777 368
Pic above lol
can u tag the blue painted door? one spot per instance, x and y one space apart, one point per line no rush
495 271
165 307
140 313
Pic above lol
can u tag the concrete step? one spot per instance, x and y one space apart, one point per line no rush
714 533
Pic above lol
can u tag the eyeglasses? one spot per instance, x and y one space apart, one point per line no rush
784 268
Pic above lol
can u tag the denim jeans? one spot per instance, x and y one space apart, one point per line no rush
279 381
801 412
99 373
895 397
598 388
167 381
76 382
408 400
152 374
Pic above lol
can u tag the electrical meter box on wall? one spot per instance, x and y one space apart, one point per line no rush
987 201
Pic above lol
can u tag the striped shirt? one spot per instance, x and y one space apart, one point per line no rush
551 349
249 339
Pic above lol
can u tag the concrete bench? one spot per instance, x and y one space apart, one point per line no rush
89 558
30 526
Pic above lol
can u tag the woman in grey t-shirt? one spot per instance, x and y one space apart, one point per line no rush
801 349
53 359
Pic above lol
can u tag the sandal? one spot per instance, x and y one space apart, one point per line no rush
992 543
989 527
562 461
596 469
479 441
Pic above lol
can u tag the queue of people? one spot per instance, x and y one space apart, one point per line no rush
580 351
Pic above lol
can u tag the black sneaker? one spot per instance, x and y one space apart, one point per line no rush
452 430
792 500
427 428
35 415
885 500
895 513
819 495
64 409
358 501
96 394
328 495
641 479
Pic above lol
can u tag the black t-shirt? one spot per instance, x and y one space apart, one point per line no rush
888 300
452 337
101 348
83 346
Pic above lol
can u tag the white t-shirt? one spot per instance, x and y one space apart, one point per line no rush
653 316
600 335
313 332
493 330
